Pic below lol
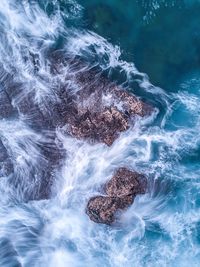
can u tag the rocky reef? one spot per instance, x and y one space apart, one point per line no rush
88 106
120 192
103 126
6 108
102 110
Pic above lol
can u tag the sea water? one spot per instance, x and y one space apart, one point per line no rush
150 48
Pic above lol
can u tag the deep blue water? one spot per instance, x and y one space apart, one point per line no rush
150 47
160 37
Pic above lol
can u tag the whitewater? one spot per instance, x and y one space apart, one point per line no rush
162 227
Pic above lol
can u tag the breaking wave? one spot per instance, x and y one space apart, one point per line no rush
162 227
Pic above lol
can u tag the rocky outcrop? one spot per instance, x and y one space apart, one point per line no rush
120 193
102 113
94 108
81 100
102 209
126 183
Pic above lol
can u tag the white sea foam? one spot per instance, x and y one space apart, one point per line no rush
159 229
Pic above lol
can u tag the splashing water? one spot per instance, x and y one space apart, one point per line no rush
162 227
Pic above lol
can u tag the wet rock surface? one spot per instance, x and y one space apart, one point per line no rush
131 105
103 110
6 108
120 193
83 101
40 175
125 183
99 110
102 209
93 107
103 126
6 165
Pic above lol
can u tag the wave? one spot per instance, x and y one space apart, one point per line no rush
161 227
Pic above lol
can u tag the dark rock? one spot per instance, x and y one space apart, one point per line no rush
40 177
125 183
121 191
52 155
92 107
33 114
6 165
102 209
6 108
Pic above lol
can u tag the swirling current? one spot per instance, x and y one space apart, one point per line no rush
150 48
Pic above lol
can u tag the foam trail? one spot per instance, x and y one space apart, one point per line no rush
161 228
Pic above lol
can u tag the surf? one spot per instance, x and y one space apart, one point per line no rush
161 228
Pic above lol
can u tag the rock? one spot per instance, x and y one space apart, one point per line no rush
32 114
43 174
120 193
131 104
79 97
101 110
102 209
125 183
97 121
102 126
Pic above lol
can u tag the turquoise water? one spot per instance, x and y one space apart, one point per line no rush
151 48
160 37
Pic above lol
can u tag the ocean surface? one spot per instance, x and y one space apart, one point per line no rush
149 47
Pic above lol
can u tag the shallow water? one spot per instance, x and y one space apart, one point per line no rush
157 59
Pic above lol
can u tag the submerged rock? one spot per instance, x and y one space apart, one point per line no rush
6 108
43 174
121 191
6 165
